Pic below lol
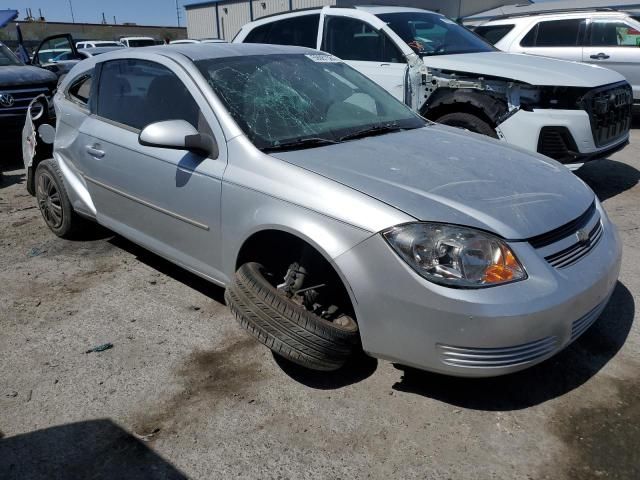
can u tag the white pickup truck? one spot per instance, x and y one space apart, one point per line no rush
568 111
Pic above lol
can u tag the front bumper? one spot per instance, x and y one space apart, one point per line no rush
527 129
474 333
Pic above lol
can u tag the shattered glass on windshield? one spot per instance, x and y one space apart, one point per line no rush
280 99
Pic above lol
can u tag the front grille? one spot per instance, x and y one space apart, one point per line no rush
583 323
557 143
570 255
564 231
470 357
610 112
22 97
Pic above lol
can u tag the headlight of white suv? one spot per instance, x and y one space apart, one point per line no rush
455 256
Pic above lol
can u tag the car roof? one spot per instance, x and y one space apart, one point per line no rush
205 51
377 10
553 15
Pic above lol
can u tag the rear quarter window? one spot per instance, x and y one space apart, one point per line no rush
301 31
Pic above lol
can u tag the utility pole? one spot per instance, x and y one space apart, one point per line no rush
73 20
104 20
178 12
114 20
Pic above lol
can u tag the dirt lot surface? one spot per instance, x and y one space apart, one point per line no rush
184 392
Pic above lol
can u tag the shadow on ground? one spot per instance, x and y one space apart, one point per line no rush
358 369
165 267
609 178
97 449
550 379
6 180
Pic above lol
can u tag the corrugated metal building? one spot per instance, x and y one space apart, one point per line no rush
224 18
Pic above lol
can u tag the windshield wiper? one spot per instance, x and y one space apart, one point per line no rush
299 144
373 130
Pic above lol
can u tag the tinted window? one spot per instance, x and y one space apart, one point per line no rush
7 57
351 39
432 34
138 92
277 99
301 31
80 90
493 33
555 33
614 34
142 43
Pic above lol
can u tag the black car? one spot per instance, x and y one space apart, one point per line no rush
19 85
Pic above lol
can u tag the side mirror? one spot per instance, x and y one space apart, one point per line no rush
178 135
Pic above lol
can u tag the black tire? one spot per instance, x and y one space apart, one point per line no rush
468 121
286 327
54 203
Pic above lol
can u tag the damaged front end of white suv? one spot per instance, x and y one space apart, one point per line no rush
543 109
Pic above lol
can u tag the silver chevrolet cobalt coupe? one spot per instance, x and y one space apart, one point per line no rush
336 218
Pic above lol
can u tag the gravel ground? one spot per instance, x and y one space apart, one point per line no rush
184 393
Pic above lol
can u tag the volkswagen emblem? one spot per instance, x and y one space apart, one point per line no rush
583 237
6 100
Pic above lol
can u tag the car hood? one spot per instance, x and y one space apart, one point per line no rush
18 75
442 174
530 69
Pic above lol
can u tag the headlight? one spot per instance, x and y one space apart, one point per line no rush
455 256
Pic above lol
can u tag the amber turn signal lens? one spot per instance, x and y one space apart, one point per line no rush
497 274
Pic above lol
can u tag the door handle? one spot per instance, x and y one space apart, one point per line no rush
600 56
94 152
385 64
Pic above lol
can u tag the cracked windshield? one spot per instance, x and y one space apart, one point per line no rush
284 102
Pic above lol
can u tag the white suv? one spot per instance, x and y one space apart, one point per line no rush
567 111
607 38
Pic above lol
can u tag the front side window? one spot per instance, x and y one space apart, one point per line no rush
606 33
137 93
282 99
301 31
351 39
432 34
493 33
555 33
80 89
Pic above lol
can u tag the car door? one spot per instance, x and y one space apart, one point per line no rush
167 200
561 39
53 47
615 44
367 48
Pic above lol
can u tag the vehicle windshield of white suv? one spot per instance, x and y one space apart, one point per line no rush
431 34
294 101
7 57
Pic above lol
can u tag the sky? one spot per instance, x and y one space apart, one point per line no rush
143 12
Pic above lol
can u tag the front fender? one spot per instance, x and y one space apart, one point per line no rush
261 212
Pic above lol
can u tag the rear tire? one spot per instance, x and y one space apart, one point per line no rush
54 203
285 327
469 122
